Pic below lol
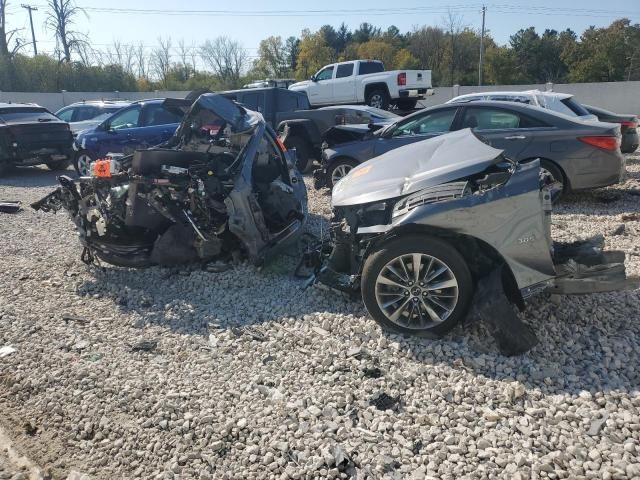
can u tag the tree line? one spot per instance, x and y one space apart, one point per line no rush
450 50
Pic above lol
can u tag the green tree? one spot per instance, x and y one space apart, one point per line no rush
273 61
314 53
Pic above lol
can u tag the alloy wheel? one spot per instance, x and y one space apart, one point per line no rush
340 172
376 101
84 164
416 291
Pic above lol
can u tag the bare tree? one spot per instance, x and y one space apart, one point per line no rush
60 18
453 27
161 58
183 53
123 55
141 62
6 36
227 58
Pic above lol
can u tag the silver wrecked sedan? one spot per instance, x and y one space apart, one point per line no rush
423 228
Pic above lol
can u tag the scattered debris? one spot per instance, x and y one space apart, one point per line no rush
597 424
30 429
374 372
217 267
7 350
354 352
78 320
9 207
632 217
320 331
619 230
417 447
382 401
145 346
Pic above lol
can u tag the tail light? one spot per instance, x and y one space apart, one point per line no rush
605 143
629 124
402 79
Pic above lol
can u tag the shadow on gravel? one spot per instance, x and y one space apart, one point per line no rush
33 177
585 344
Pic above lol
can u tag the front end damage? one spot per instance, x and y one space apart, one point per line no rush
223 188
495 213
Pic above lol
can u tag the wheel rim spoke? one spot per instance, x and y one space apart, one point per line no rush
417 264
436 273
442 285
398 313
432 313
388 281
404 277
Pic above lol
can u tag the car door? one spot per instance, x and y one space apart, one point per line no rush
344 83
157 126
120 132
501 127
321 88
417 127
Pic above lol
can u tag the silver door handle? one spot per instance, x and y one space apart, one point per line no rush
515 137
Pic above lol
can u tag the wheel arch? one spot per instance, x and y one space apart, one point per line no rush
567 182
375 86
481 258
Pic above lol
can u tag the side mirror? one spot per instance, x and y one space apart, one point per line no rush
313 78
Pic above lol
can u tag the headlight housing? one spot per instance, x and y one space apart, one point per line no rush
438 193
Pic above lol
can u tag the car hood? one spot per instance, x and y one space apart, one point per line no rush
77 127
297 85
416 166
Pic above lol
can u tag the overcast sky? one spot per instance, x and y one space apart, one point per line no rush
249 21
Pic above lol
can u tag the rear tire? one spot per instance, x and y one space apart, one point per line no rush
407 104
339 168
423 309
303 152
378 99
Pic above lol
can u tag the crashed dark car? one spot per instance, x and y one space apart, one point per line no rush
223 187
420 231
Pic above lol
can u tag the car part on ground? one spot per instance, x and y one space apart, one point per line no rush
579 154
31 135
628 126
416 230
201 198
9 207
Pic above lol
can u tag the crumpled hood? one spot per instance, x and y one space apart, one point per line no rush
416 166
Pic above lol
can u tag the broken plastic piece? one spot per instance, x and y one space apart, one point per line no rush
7 350
382 401
9 207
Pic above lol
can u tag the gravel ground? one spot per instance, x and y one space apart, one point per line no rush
147 374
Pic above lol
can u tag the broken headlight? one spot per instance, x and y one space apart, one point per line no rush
438 193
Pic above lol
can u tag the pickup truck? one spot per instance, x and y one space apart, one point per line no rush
301 128
365 81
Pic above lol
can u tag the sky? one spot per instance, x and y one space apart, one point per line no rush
249 21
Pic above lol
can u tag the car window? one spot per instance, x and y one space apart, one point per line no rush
344 70
65 115
287 102
434 122
552 102
254 101
370 67
489 118
157 114
26 114
325 73
129 118
575 107
85 113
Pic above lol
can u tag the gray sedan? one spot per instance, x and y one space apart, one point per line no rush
578 154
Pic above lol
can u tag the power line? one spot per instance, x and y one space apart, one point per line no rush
480 66
33 35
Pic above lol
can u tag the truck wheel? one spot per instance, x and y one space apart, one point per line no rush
378 99
339 169
303 152
406 104
58 164
82 162
417 285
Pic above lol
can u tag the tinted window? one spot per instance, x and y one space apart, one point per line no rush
575 107
65 115
370 67
26 114
434 122
344 70
287 102
325 74
254 101
554 103
85 113
157 114
489 119
505 98
129 118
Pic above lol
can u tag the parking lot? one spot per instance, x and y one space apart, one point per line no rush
241 374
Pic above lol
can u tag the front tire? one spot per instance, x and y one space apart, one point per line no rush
417 285
339 169
82 162
378 99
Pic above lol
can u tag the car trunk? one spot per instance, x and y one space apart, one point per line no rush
33 139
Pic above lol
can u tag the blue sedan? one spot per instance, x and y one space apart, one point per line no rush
141 125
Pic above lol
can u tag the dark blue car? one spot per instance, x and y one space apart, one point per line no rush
141 125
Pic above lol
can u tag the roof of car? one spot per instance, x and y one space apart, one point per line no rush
19 105
510 93
520 107
263 89
116 103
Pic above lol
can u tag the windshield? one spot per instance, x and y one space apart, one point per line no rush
26 114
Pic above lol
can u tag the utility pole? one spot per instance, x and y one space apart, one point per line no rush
33 35
484 10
